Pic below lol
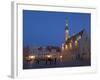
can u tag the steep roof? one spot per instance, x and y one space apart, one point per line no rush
74 37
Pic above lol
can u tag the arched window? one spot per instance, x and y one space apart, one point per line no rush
70 45
76 43
66 46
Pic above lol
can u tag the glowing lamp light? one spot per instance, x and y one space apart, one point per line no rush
61 57
66 46
66 31
76 43
49 56
31 57
70 45
62 47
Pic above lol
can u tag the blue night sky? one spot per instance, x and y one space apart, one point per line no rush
42 28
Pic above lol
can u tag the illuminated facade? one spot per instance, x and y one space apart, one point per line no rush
77 44
65 46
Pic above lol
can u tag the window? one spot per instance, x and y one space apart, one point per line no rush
70 45
66 47
76 43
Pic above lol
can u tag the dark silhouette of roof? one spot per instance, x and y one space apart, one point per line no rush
74 37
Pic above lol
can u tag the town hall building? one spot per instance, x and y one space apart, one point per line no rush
76 46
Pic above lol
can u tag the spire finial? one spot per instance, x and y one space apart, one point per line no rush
66 28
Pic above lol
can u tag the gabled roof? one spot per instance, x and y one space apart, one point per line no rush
74 37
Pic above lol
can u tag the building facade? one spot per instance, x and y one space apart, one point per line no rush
77 46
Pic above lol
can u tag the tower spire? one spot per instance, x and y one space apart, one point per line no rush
65 46
66 30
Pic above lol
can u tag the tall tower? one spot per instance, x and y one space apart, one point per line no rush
64 45
66 31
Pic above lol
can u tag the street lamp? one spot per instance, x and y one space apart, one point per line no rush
31 57
61 57
49 56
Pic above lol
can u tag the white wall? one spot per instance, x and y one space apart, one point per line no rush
5 42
